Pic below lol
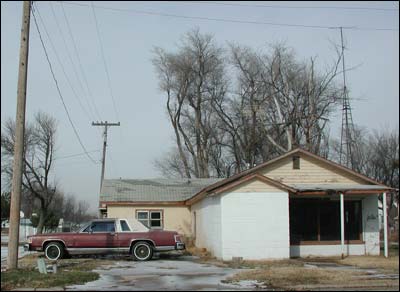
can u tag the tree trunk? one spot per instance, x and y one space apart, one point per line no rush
40 226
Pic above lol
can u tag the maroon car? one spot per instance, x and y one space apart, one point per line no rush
104 236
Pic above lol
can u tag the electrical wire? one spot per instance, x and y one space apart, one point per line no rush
104 60
79 61
71 60
286 7
61 65
229 20
58 88
75 155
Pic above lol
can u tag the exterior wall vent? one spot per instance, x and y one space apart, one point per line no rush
296 162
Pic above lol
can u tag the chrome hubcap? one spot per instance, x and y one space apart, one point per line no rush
53 252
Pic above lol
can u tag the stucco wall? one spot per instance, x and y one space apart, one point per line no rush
255 225
208 225
176 218
371 225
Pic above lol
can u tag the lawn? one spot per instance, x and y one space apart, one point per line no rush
70 272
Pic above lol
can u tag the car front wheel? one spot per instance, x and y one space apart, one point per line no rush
54 251
142 251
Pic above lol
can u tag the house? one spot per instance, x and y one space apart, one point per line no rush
297 204
157 203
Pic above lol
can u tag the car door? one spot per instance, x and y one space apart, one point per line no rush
98 235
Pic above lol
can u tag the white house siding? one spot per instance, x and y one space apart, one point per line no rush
255 225
311 171
207 229
326 250
371 225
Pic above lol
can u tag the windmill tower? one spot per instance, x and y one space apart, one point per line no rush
348 146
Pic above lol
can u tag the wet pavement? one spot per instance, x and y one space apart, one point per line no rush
167 274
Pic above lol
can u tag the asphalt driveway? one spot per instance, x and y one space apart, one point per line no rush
180 273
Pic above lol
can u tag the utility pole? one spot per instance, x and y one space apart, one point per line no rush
103 162
13 235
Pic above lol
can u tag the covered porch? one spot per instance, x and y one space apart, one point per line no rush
335 220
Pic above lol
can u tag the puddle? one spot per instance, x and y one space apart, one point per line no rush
165 275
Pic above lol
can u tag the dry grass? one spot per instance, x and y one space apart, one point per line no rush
298 278
372 262
199 252
287 277
291 274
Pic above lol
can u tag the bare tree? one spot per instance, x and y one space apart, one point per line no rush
191 79
39 148
376 156
272 103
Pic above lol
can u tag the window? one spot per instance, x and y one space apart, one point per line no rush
124 225
107 226
150 218
296 162
319 220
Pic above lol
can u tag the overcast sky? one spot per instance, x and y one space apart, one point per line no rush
128 39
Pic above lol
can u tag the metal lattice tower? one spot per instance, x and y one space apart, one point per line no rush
348 147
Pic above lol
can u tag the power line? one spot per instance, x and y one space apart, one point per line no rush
227 20
288 7
79 61
59 61
104 60
75 155
58 88
92 108
70 58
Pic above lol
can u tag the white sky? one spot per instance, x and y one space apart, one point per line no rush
129 38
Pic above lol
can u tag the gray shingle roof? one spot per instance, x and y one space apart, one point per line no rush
149 190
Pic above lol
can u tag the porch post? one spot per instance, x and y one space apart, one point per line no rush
385 237
342 223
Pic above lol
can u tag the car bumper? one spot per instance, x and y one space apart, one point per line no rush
179 246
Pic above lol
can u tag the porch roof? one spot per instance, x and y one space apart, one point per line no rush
345 188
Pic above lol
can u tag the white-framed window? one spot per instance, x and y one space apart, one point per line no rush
151 218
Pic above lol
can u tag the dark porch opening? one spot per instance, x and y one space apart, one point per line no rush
317 221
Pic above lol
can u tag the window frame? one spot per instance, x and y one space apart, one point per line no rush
149 219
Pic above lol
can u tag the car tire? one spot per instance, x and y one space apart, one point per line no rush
54 251
142 251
